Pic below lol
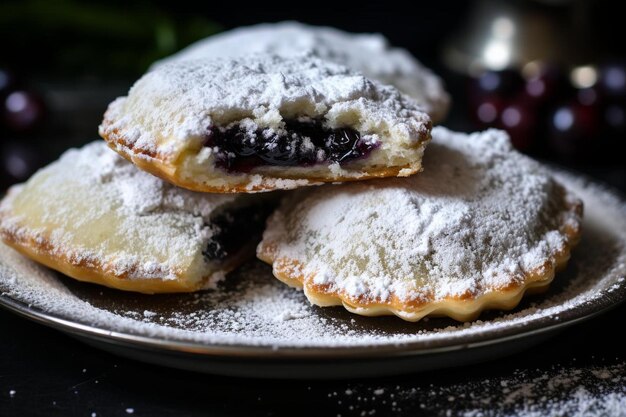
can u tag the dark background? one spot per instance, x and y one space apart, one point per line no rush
77 56
74 57
71 39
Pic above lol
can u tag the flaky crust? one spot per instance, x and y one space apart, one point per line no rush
170 170
462 308
41 249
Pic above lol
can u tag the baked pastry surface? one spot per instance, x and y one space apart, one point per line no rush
94 216
263 122
477 229
370 54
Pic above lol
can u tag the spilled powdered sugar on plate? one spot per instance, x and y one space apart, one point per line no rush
251 308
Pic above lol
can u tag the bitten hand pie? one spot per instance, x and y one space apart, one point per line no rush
96 217
370 54
479 227
263 122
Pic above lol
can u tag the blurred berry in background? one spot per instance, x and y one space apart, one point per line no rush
570 115
550 73
22 115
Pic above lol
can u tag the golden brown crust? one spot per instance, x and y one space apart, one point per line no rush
161 166
42 250
461 308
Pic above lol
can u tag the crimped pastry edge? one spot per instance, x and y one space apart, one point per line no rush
39 247
462 308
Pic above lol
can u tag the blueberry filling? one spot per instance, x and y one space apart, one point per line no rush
235 229
300 143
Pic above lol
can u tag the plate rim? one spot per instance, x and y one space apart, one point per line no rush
544 324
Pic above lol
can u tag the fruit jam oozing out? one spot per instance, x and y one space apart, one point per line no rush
236 228
301 143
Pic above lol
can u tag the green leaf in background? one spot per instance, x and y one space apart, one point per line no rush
68 37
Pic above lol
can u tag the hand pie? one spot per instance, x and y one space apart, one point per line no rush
263 122
97 218
480 226
370 54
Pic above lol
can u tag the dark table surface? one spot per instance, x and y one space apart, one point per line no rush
44 372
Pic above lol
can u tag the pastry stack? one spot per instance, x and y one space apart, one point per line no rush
314 149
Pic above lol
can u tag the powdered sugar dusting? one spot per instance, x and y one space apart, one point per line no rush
170 109
594 391
252 308
369 53
479 218
94 207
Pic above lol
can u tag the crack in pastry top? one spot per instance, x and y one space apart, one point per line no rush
369 53
169 110
153 228
478 218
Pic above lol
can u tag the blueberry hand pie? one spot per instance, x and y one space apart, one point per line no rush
264 122
480 226
370 54
97 218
